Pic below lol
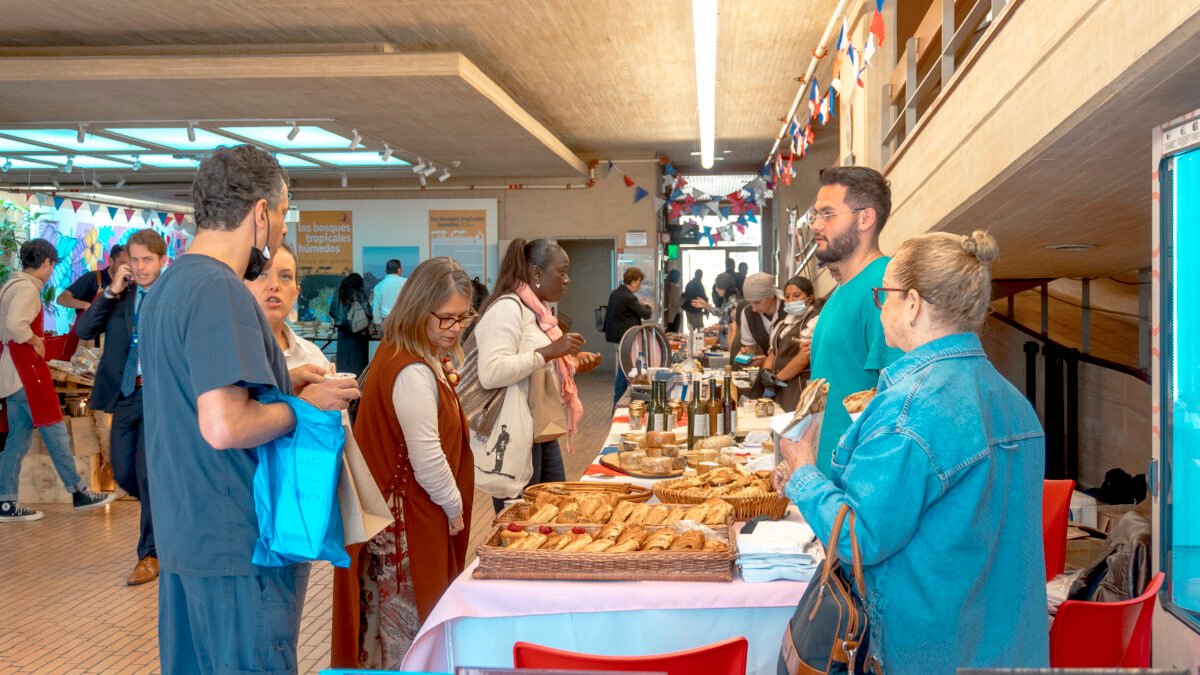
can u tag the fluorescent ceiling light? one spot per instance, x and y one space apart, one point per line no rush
293 162
9 145
68 138
345 158
175 138
277 137
704 29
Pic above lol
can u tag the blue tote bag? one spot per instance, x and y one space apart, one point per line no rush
295 490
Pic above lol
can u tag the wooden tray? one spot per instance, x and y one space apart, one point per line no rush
497 562
773 506
611 462
625 491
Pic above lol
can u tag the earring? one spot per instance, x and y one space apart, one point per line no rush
537 283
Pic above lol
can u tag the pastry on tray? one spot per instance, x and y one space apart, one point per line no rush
857 402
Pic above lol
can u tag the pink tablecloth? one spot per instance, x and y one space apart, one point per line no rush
468 597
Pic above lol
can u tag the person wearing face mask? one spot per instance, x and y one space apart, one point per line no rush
118 388
518 335
208 355
414 438
791 340
946 450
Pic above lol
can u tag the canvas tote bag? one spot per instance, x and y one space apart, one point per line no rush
504 458
364 510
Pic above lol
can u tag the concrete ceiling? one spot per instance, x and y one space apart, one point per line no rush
541 83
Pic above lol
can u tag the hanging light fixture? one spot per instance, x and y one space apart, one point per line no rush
421 177
96 183
430 170
294 132
82 135
419 166
137 162
445 175
387 152
356 141
191 131
704 29
7 165
344 180
121 182
70 164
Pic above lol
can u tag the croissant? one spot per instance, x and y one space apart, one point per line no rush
688 541
657 515
587 508
659 541
676 514
599 546
696 513
603 513
544 498
578 543
625 547
610 531
638 516
569 514
714 545
621 512
634 532
718 513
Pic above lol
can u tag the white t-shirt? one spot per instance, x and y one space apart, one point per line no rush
301 352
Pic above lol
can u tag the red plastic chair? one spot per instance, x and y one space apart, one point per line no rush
1056 506
1104 634
720 658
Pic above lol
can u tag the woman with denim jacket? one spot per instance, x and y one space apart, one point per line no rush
944 471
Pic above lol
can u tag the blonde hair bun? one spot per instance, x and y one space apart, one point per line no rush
981 245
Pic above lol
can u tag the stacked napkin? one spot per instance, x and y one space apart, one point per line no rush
771 550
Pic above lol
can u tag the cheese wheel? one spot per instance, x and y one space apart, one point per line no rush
657 464
657 439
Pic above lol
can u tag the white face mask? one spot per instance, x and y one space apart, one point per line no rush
795 308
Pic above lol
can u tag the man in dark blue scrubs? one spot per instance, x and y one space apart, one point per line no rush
207 353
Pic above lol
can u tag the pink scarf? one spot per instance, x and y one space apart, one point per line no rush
564 367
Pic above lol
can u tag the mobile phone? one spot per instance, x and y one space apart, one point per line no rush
743 359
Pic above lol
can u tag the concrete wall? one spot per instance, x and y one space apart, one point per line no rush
1114 408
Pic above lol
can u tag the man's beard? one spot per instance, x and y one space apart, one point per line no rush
839 248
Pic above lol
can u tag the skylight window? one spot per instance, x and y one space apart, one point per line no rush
352 159
69 140
162 161
9 145
85 162
294 162
176 137
277 137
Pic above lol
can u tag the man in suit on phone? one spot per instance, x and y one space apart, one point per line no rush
118 388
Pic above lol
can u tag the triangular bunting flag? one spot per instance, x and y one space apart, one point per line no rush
669 169
179 219
147 216
852 57
628 181
841 43
868 50
112 212
58 202
814 98
92 208
75 204
879 5
658 203
832 103
162 218
877 28
860 77
129 213
639 195
725 211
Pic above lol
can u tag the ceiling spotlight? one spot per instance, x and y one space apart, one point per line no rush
294 132
7 165
70 164
137 162
55 184
97 184
455 163
121 182
421 177
419 166
82 135
445 174
430 170
191 132
344 181
387 152
356 141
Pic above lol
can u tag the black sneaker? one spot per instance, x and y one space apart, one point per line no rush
12 512
86 499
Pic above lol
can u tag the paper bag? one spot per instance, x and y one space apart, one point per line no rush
546 406
364 510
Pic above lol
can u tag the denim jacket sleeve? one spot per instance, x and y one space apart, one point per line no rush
888 482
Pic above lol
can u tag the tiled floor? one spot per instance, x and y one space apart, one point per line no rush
64 606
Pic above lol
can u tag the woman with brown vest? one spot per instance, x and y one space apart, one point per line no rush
413 436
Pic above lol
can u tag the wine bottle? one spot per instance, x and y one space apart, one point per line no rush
661 412
716 425
697 414
728 406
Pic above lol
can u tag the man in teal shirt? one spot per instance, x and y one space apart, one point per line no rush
848 349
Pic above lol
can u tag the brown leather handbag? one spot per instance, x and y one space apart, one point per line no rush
828 632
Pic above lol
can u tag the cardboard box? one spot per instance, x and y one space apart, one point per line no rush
1083 510
1081 552
1107 515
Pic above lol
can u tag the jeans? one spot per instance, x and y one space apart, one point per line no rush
20 437
128 445
547 467
621 384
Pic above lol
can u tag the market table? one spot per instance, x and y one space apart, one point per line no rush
477 621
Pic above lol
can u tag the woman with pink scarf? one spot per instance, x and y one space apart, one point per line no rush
518 335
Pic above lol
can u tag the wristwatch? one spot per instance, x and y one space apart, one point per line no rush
109 294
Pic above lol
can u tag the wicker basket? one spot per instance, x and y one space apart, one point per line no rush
744 508
497 562
624 491
519 512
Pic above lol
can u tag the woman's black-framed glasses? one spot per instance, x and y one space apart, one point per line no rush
448 322
880 295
